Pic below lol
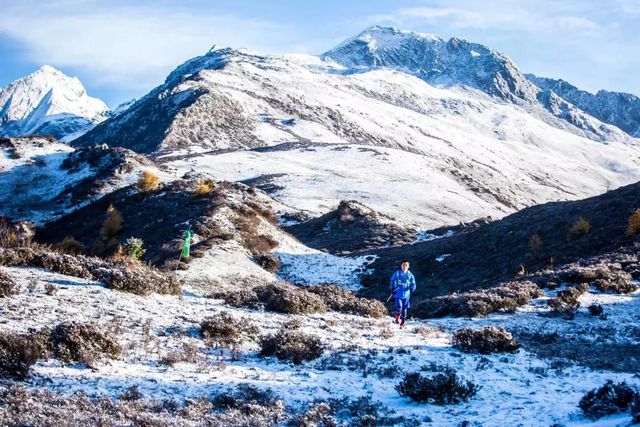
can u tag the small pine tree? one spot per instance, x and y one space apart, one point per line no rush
112 223
580 227
133 248
633 225
148 182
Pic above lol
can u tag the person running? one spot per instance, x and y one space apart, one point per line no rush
402 285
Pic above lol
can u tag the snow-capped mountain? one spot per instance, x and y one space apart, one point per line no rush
616 108
47 102
457 62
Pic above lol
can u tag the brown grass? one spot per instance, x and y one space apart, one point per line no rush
112 223
633 224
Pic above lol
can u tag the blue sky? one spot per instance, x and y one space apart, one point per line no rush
121 50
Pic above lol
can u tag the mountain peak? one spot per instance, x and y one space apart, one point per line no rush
48 101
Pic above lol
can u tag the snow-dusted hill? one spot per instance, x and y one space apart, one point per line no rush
47 102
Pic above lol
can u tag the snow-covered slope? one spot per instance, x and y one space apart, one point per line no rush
47 102
616 108
454 153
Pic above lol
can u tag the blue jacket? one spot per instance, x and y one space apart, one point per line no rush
402 284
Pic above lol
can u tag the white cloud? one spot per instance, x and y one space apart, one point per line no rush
130 46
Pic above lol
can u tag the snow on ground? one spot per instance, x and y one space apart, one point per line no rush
516 389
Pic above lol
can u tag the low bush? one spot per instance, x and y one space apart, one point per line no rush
246 396
83 342
134 248
596 310
224 329
204 187
343 300
506 297
580 227
259 243
187 354
286 298
567 300
441 389
487 340
268 261
291 344
148 182
616 281
70 245
18 353
136 278
608 399
8 286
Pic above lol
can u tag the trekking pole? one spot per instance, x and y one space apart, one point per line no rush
184 252
391 296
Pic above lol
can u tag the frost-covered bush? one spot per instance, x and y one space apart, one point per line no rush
135 278
189 353
8 286
567 300
224 329
343 300
18 352
248 405
82 342
286 298
477 303
616 281
291 344
134 248
608 399
442 389
487 340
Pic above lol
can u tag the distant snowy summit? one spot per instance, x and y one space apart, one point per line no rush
459 62
48 102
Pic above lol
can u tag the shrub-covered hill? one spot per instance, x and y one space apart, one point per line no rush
534 238
351 227
160 214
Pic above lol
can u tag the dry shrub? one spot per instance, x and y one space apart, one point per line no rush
264 212
260 243
70 245
596 310
225 330
269 262
487 340
616 281
343 300
442 389
15 234
83 342
633 224
8 286
148 182
607 400
112 223
349 411
18 353
248 405
285 298
567 300
187 354
291 344
136 278
580 227
204 187
506 297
